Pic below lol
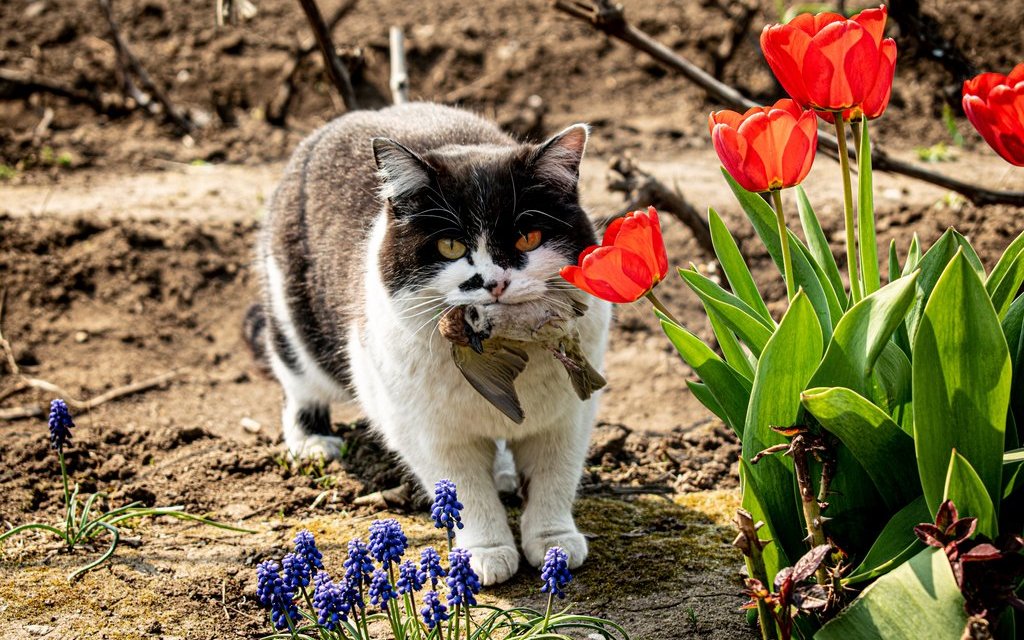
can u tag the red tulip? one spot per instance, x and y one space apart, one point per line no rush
627 264
767 147
831 63
994 104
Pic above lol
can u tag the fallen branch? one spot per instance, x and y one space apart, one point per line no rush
336 71
34 411
642 189
609 18
399 71
5 346
29 83
127 60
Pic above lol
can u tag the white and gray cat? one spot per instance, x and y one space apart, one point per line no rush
383 221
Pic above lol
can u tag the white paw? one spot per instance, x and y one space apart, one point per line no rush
316 446
494 564
506 482
572 542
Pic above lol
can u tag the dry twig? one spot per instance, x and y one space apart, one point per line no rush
25 83
609 18
34 411
336 71
642 189
127 61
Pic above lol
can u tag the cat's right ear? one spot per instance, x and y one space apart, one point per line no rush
402 173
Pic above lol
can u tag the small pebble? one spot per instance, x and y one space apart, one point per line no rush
250 425
81 336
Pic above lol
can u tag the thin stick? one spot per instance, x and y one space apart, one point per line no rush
127 58
82 405
609 19
12 364
336 71
399 70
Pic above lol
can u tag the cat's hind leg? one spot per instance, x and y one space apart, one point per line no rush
306 416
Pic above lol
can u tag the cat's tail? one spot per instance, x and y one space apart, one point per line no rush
254 332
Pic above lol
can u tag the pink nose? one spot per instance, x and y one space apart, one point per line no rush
496 288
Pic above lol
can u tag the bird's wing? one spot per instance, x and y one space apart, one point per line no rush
493 374
584 378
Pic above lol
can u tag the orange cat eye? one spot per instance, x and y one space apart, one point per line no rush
528 242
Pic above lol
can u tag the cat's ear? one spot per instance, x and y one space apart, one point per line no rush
402 173
557 161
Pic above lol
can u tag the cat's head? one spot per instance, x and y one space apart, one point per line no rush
483 223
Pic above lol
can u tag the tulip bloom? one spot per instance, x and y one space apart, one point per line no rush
832 63
627 264
994 104
766 148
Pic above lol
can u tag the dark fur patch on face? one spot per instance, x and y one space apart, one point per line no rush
473 191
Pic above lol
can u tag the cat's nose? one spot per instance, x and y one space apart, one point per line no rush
496 287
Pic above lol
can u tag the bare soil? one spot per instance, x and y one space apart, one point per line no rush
125 251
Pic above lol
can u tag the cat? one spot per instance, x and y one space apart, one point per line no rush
385 219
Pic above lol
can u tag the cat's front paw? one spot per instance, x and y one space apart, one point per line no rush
317 446
572 542
494 564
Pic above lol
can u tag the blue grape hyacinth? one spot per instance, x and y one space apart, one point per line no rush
430 567
463 583
446 510
387 541
555 572
434 612
329 601
409 578
60 424
296 572
358 565
381 591
305 548
275 595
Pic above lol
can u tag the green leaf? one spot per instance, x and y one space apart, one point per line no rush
818 245
866 215
773 554
1006 277
969 494
706 398
1013 330
961 382
894 262
861 335
894 545
918 599
731 349
878 444
891 386
806 273
913 256
735 313
729 388
736 271
932 264
786 365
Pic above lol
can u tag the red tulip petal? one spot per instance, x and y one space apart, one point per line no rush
839 64
1016 76
637 237
617 275
766 134
980 85
739 160
874 21
784 49
984 120
659 243
811 24
789 106
800 149
726 117
610 232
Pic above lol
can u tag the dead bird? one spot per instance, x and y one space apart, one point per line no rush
488 347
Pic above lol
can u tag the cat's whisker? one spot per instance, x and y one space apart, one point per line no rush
543 213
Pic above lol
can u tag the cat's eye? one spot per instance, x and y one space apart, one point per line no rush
451 248
528 241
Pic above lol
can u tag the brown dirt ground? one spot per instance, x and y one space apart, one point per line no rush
122 261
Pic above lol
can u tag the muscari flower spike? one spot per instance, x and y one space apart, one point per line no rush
305 548
409 578
358 565
430 567
381 590
274 594
434 612
329 601
296 572
387 541
555 572
60 424
463 583
446 510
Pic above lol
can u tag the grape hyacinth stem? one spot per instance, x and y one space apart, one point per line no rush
787 259
67 499
851 231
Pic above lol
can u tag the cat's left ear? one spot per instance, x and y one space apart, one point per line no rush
557 161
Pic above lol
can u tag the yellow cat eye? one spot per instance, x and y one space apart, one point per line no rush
451 248
528 242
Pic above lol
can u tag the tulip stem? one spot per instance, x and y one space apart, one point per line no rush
851 248
787 259
660 307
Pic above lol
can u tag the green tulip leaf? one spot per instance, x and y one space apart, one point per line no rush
932 265
961 382
706 398
894 545
1006 277
731 348
913 256
1013 330
773 554
969 494
917 599
786 365
730 389
868 244
894 262
891 386
818 245
736 314
735 268
884 451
